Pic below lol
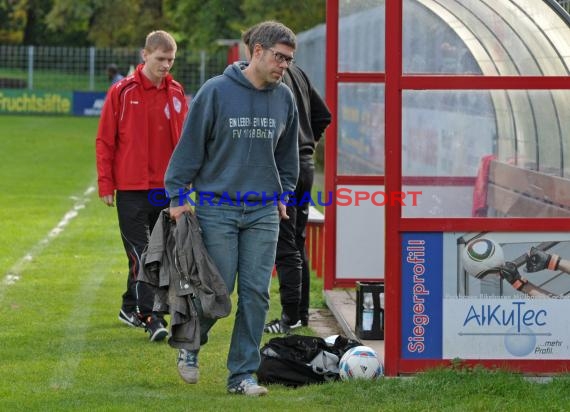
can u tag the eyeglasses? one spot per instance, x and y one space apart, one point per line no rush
281 58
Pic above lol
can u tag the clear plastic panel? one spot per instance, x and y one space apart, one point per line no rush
505 151
489 37
360 129
361 43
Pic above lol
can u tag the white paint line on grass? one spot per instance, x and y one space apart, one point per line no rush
70 352
14 273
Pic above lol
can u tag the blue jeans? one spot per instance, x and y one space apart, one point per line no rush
242 241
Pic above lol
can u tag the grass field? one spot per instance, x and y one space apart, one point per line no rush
62 348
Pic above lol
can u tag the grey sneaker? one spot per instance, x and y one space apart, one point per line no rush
187 363
248 387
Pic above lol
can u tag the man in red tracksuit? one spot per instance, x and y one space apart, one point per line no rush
139 127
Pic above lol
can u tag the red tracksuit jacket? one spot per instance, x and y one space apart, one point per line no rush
123 148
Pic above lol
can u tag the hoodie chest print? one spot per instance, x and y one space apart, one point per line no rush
252 127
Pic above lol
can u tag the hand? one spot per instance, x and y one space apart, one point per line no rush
177 211
109 200
511 274
538 260
282 211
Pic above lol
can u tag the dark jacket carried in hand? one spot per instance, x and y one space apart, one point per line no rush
177 264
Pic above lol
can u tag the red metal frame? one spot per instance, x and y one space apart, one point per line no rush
393 133
233 53
482 82
331 94
395 81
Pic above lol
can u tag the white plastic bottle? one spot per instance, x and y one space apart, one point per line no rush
367 311
381 313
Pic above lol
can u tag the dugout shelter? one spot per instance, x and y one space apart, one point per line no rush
464 103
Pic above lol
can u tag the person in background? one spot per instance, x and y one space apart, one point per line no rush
140 125
291 260
239 151
113 73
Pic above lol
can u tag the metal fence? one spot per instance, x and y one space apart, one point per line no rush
64 69
85 68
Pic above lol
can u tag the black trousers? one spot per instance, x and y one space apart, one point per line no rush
291 259
137 217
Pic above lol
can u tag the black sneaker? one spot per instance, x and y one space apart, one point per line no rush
131 319
277 326
156 327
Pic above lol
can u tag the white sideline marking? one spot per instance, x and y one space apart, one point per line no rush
14 273
70 352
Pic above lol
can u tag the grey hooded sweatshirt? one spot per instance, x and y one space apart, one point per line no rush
238 142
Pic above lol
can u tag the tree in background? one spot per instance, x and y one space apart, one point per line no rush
108 23
69 20
12 22
36 31
297 15
127 22
196 24
201 22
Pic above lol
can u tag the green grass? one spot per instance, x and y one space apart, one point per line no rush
45 162
62 348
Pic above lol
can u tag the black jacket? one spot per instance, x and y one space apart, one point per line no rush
314 115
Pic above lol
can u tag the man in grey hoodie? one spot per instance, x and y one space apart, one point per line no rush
239 151
291 260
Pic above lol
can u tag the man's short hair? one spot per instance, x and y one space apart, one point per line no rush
159 39
268 34
246 37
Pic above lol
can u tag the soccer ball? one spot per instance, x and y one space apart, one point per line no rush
360 362
481 255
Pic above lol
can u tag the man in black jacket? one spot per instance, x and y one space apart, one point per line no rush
291 260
